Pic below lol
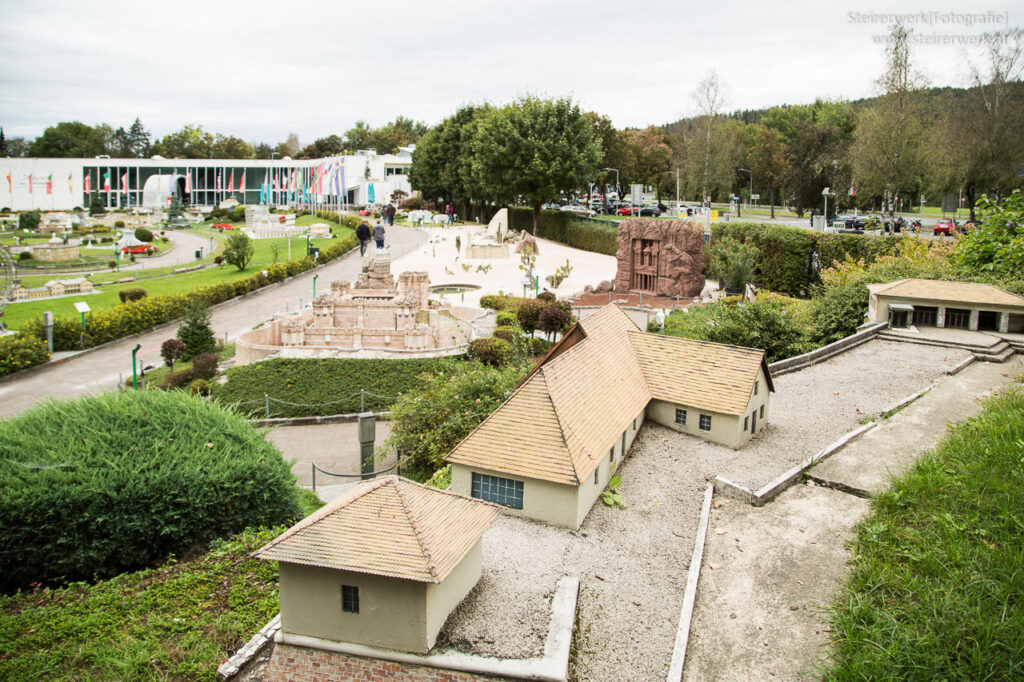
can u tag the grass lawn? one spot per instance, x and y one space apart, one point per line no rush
937 586
179 621
16 314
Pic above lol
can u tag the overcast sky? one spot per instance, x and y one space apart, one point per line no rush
260 70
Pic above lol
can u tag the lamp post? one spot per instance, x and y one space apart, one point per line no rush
750 196
616 181
314 285
824 193
135 375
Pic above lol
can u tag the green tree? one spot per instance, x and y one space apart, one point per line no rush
262 150
767 158
997 246
442 165
331 145
534 149
72 139
290 147
96 205
238 250
196 332
229 147
191 142
175 212
171 351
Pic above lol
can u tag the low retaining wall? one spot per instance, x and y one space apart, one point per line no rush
817 355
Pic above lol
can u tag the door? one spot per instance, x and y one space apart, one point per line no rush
753 422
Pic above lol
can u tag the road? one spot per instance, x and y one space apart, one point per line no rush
100 370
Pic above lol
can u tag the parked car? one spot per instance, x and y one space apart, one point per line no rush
895 226
581 210
550 206
946 226
222 226
142 248
849 222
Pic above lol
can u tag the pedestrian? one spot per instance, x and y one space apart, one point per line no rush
450 210
378 235
363 233
390 211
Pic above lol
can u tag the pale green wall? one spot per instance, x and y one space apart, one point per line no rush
590 491
443 597
392 612
542 500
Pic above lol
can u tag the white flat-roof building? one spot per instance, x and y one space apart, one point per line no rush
57 184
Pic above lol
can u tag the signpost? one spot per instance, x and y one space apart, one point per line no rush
82 307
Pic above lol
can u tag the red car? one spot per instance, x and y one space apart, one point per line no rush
946 226
224 226
142 248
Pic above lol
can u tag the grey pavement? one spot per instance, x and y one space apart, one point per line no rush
100 370
334 447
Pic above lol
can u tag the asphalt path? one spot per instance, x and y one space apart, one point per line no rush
100 370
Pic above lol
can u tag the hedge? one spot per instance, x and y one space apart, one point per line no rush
327 386
791 257
139 316
93 487
21 351
566 228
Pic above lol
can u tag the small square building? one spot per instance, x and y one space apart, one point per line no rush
382 565
549 451
951 305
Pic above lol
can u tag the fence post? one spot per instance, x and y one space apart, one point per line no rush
266 405
362 400
312 468
367 433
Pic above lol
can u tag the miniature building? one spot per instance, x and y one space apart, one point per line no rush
55 287
319 231
550 449
55 250
660 257
375 317
936 303
382 565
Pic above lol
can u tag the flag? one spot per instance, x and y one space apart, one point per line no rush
88 182
70 186
231 181
218 181
10 185
106 182
124 182
49 184
30 183
241 184
188 182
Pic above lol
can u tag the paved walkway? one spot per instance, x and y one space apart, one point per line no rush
770 572
334 447
99 370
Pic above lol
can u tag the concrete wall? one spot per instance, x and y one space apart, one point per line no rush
611 458
780 367
726 429
878 308
443 597
392 612
298 664
553 503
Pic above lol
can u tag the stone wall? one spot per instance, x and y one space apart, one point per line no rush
298 664
55 253
660 257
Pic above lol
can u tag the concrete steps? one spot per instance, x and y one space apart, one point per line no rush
988 348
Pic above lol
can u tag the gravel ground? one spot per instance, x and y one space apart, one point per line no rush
814 406
632 562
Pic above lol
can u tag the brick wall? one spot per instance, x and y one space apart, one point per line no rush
299 664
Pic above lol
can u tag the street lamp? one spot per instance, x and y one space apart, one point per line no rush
135 376
824 193
750 196
616 181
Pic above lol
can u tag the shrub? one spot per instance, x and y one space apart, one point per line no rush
528 314
96 205
554 318
239 250
494 352
143 235
218 259
508 333
179 380
21 351
165 472
411 204
171 351
236 215
196 332
997 247
204 366
547 296
427 423
120 224
500 301
505 318
25 255
28 220
199 387
733 262
132 294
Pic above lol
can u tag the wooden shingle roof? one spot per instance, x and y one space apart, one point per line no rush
712 376
941 290
388 526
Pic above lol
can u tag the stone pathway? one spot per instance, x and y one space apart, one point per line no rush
770 572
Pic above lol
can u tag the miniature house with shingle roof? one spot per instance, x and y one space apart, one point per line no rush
937 303
382 565
551 448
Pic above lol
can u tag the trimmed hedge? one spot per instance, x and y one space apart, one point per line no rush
328 386
93 487
21 351
791 258
139 316
566 228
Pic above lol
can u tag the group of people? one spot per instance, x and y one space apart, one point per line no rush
388 214
363 233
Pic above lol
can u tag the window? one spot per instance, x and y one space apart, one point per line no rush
595 476
349 599
681 417
634 423
958 318
705 422
503 491
746 423
762 412
755 386
611 454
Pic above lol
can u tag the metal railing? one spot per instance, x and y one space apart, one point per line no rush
362 476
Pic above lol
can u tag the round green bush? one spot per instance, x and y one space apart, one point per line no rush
490 351
119 224
199 387
507 333
93 487
505 318
143 235
25 255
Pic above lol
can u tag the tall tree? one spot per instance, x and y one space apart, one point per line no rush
138 139
331 145
72 139
535 149
191 142
710 97
442 165
290 147
262 150
230 147
767 158
888 153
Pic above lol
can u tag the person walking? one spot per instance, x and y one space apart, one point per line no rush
378 235
450 210
363 233
389 211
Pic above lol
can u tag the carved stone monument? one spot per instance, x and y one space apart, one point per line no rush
660 257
